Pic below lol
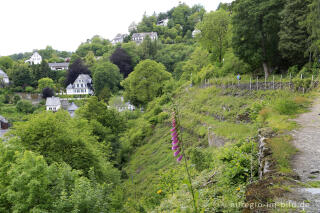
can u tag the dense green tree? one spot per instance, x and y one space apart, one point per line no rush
148 48
45 83
147 23
132 49
107 124
47 53
293 34
29 184
42 70
6 62
20 75
214 30
256 24
170 55
97 45
313 26
145 82
61 139
24 106
89 59
106 74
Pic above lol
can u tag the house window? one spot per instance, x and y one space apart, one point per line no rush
77 85
50 108
81 85
54 108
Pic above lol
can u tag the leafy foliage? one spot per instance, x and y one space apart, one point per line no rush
145 82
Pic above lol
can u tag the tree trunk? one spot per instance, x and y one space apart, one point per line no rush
265 69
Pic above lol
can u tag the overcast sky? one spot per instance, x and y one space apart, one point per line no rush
63 24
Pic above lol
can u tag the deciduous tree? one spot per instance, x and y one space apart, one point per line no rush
145 82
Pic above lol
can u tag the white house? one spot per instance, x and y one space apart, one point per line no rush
58 66
163 22
72 108
35 59
4 77
81 86
139 37
195 33
53 104
118 39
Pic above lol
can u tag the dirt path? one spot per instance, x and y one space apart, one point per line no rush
306 163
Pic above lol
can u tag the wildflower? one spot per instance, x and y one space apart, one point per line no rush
238 189
175 139
159 191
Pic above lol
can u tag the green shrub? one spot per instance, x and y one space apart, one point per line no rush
286 106
24 106
29 89
16 98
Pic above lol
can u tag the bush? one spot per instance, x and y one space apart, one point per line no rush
16 98
29 89
25 106
286 106
47 92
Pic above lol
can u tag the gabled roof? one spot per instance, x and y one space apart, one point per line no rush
151 34
85 77
72 107
53 101
2 119
69 86
63 64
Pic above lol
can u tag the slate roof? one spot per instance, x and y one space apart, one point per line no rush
63 64
150 34
2 119
53 101
72 107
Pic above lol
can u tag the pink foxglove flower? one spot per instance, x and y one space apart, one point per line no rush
175 139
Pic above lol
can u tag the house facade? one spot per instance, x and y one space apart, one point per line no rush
163 22
195 33
4 77
4 124
34 59
53 104
119 38
139 37
59 66
81 86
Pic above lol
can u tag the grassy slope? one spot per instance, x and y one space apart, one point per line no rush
226 111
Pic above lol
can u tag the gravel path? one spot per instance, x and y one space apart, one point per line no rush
306 163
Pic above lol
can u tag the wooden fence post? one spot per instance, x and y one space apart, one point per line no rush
290 82
273 82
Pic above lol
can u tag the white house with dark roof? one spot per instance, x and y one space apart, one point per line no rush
53 104
119 38
59 66
139 37
4 77
81 86
34 59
